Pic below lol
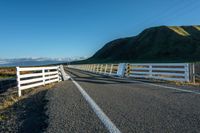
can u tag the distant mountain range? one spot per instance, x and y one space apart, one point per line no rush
36 61
156 44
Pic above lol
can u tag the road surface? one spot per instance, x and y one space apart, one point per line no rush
126 106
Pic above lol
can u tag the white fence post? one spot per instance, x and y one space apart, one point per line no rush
43 75
101 68
18 82
187 73
91 67
111 69
60 73
93 70
105 69
150 71
193 73
97 68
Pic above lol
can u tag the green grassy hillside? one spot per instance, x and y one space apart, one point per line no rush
157 44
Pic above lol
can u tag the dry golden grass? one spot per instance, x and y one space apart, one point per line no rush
11 98
179 30
197 83
3 117
197 27
7 72
8 101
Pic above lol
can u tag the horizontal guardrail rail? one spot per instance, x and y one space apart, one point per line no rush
107 69
163 71
29 77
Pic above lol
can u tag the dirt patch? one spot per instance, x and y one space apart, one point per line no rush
25 114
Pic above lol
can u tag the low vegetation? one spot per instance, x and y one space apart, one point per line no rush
7 72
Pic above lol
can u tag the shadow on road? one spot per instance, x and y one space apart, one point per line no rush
95 78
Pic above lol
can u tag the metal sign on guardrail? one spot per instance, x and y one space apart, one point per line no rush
121 69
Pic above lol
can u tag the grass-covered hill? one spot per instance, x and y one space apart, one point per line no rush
157 44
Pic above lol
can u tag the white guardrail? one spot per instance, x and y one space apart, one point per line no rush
107 69
163 71
29 77
166 71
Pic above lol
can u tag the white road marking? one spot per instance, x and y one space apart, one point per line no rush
102 116
162 86
168 87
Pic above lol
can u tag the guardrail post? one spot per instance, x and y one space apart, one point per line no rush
127 70
105 69
60 73
18 82
193 73
101 68
97 68
88 67
111 68
150 71
91 67
187 72
43 76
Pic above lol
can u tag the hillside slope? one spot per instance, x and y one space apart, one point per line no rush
157 44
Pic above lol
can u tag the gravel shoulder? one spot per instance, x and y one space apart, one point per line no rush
25 114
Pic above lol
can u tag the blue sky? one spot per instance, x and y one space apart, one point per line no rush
74 28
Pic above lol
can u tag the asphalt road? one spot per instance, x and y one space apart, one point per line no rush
131 106
69 112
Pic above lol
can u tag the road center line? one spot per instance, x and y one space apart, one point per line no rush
98 111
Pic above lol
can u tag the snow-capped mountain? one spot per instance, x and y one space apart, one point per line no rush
36 61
